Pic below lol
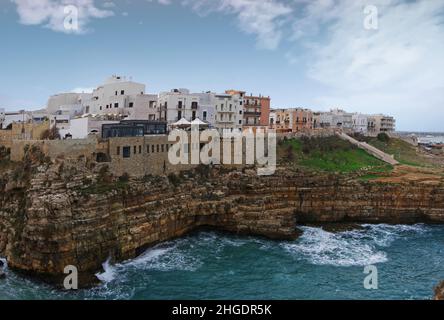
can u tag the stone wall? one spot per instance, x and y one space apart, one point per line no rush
22 131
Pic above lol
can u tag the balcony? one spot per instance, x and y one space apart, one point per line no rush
252 113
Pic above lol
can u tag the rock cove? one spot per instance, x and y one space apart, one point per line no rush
60 215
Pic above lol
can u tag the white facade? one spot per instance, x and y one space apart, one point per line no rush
178 104
119 96
80 128
360 122
66 100
20 116
229 113
272 118
206 108
143 107
60 121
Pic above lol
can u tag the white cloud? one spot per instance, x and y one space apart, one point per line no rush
262 18
51 13
397 68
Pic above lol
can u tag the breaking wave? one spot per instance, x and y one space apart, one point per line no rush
350 248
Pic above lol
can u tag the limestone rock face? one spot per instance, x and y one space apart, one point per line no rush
439 291
61 219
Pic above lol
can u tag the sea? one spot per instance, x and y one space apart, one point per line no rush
408 262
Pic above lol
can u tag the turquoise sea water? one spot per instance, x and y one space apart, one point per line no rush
318 265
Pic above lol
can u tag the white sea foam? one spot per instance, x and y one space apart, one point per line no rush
350 248
109 273
324 248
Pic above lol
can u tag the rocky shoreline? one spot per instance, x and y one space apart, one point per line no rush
439 291
62 214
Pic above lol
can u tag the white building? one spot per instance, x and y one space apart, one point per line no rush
229 115
19 116
178 104
80 128
272 118
121 97
206 108
360 123
67 103
60 121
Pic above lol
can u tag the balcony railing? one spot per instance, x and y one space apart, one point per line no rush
252 113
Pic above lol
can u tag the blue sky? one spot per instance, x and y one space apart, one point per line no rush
303 53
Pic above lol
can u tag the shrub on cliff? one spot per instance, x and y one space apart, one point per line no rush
383 137
124 177
50 134
203 170
104 176
174 179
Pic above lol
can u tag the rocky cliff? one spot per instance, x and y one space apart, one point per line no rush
439 291
63 214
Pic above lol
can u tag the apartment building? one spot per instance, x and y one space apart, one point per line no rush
178 104
380 123
256 109
360 123
291 120
228 112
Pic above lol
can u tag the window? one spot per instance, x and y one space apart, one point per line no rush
204 115
180 105
152 148
240 121
140 149
148 149
157 148
116 105
100 107
116 93
167 147
179 115
163 148
194 115
122 92
118 151
240 111
131 104
135 149
126 152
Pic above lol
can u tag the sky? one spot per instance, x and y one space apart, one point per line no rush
376 56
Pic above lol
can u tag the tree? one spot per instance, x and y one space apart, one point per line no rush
50 134
383 137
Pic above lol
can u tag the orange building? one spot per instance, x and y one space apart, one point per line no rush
292 120
256 109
